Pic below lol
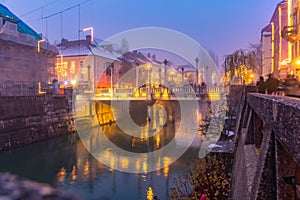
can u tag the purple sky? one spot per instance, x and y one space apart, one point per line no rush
218 25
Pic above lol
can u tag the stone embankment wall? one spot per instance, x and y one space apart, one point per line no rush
13 187
267 140
28 119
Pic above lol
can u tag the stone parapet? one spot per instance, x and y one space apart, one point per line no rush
13 187
24 120
267 156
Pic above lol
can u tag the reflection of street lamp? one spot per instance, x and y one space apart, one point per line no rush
92 32
197 70
165 78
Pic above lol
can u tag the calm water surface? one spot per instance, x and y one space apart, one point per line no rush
65 163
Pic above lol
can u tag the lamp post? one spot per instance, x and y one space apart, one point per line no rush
148 68
92 32
197 70
172 73
89 76
182 76
111 77
137 75
39 44
165 71
159 76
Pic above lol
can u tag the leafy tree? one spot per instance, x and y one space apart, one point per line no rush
249 58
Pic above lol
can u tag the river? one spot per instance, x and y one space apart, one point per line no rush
65 163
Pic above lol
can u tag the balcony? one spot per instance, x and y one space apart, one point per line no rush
289 33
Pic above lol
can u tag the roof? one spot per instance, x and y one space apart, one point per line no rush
22 27
85 47
283 5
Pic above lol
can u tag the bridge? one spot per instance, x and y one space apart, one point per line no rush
267 158
158 93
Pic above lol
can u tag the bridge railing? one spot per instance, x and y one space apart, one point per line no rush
19 92
158 92
267 158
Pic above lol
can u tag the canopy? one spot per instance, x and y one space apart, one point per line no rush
22 27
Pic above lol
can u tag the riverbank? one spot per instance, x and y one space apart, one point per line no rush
28 119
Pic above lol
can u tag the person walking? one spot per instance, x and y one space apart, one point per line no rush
272 85
261 86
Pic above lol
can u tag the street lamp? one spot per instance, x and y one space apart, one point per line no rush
172 74
39 44
182 76
137 75
92 32
197 70
149 68
159 76
89 76
165 78
111 77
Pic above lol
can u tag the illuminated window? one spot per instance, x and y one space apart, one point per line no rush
64 73
72 70
65 65
58 67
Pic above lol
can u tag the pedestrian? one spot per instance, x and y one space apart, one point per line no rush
203 197
55 86
272 85
290 85
261 86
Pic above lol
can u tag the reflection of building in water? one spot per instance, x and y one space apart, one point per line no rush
94 173
104 113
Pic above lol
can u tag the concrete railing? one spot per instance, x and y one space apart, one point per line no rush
267 157
175 91
18 92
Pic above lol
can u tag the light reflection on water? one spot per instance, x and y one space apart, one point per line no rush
65 163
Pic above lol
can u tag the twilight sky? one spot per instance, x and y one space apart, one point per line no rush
218 25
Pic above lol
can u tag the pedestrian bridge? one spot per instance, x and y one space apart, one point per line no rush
161 93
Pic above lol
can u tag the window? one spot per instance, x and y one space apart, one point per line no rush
81 64
72 69
7 58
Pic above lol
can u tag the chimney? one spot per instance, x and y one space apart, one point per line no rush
88 38
63 40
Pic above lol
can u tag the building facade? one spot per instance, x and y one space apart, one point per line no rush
87 63
266 44
291 33
24 60
275 49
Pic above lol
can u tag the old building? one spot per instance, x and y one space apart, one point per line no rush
275 56
291 34
87 63
266 44
25 59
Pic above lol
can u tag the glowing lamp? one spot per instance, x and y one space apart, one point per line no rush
73 82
